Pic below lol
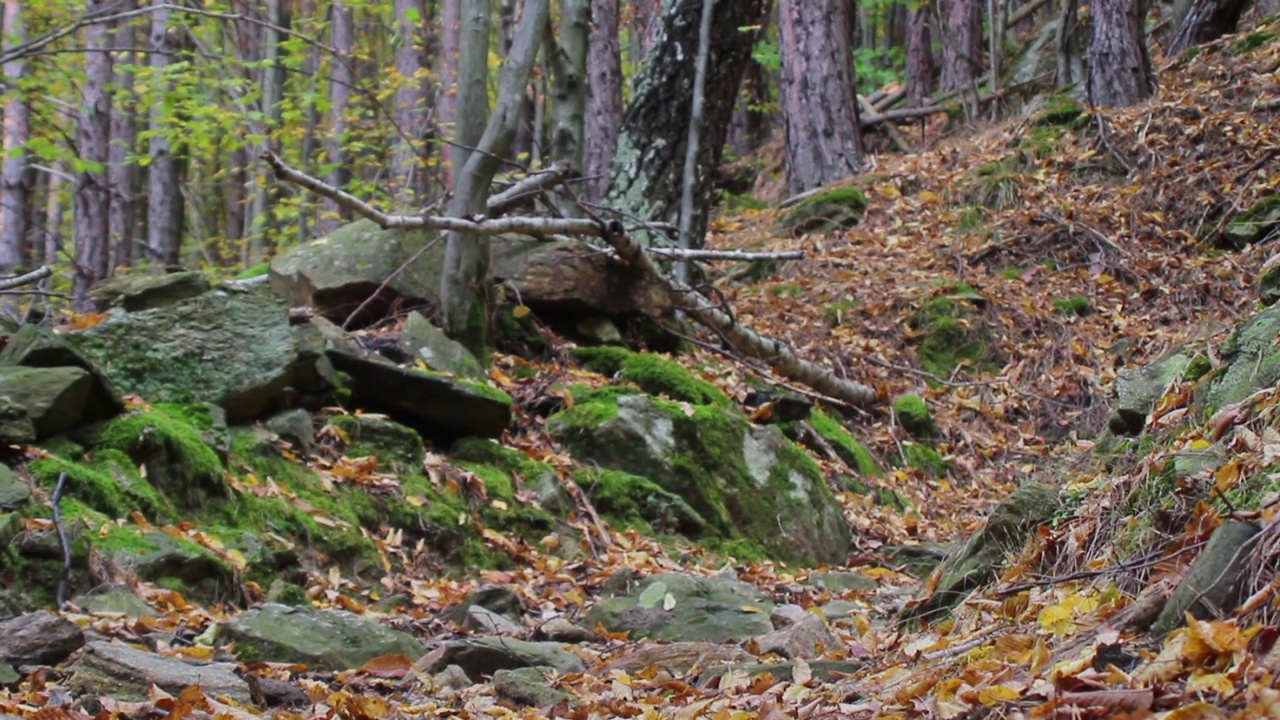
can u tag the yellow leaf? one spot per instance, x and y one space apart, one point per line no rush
416 500
519 311
499 505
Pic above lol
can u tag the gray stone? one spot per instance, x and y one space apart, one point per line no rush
324 639
1138 389
112 602
841 581
14 493
488 622
235 349
143 291
986 553
38 638
295 428
1210 589
678 607
526 686
563 630
919 559
824 670
601 330
486 655
799 634
124 673
37 346
37 403
678 658
421 340
1250 362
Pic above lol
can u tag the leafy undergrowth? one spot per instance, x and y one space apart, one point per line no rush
1078 247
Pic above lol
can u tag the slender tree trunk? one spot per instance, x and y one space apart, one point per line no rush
569 90
341 80
166 171
15 174
645 177
411 116
1070 59
751 122
817 94
447 91
464 294
55 209
260 221
920 68
962 49
1207 20
1119 67
93 197
604 96
122 173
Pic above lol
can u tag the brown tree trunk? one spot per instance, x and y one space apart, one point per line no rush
749 128
165 172
342 79
962 48
1208 20
817 94
412 90
1119 67
604 96
93 197
920 67
15 192
646 177
123 175
447 90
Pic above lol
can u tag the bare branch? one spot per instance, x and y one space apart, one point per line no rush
36 275
533 184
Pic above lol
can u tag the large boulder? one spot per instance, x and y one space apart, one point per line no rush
143 291
324 639
335 274
38 347
684 608
1250 361
230 347
748 483
576 278
37 403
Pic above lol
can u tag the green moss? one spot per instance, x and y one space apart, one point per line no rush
836 312
913 413
480 388
923 457
1011 273
634 503
106 481
396 446
838 208
850 450
1076 305
970 218
947 338
653 374
178 460
1253 40
1197 368
254 271
1061 109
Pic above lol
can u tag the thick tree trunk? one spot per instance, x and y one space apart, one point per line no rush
604 96
920 67
342 79
167 169
645 179
92 197
464 295
1119 67
962 49
1207 20
122 174
569 91
15 175
817 94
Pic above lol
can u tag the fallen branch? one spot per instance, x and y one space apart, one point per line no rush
65 573
532 185
695 304
725 254
34 276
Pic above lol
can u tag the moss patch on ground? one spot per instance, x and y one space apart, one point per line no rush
653 374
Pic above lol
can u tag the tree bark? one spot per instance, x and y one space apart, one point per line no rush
920 67
411 112
464 295
260 221
568 56
962 49
645 178
15 174
1070 59
816 88
166 169
1207 20
122 173
447 90
604 96
1119 67
342 79
92 198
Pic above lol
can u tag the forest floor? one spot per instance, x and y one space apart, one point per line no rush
1120 207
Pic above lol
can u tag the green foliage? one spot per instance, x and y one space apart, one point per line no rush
874 67
835 313
1077 305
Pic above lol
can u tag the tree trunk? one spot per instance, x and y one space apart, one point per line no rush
166 170
604 96
260 221
55 209
749 127
568 57
92 197
122 173
15 173
411 114
447 91
816 88
342 79
1207 20
1070 58
645 178
1119 67
920 67
464 294
962 50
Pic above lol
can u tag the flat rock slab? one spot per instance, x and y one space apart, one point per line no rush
677 607
487 655
325 639
38 638
125 673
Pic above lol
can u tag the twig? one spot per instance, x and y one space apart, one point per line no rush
535 183
62 539
394 274
726 254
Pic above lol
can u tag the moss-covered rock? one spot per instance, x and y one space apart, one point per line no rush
632 502
949 335
396 446
833 209
653 374
913 414
326 639
1253 224
923 457
850 449
1250 361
